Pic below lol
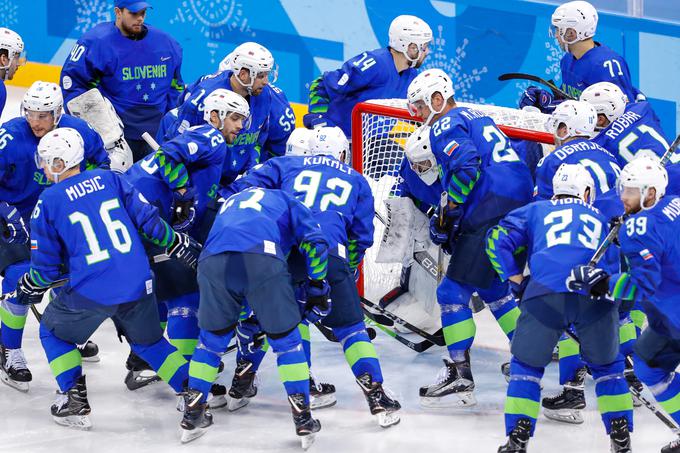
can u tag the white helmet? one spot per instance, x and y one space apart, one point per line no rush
298 142
43 97
406 30
329 141
225 102
13 44
255 58
225 64
579 117
644 172
64 144
420 157
607 98
579 15
574 180
425 85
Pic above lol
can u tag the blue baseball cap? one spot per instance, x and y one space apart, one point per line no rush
132 5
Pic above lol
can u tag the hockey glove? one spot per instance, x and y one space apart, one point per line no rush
591 280
315 303
185 249
316 120
442 230
249 336
15 230
183 209
517 289
29 292
542 99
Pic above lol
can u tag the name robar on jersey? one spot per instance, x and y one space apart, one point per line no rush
92 220
478 167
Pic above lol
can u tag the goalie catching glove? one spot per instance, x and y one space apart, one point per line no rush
184 203
29 292
315 300
591 280
185 249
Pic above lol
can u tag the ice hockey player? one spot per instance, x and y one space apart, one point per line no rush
376 74
585 62
20 186
464 151
225 278
281 124
560 233
650 243
91 221
11 58
342 203
134 66
252 68
181 178
624 128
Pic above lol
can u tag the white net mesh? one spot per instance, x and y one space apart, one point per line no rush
383 137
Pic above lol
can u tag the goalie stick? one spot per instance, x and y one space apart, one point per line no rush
417 347
557 92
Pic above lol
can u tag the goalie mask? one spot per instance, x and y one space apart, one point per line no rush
329 141
59 151
14 45
574 180
607 98
578 117
424 86
420 157
42 97
406 30
298 142
579 16
254 58
225 102
642 174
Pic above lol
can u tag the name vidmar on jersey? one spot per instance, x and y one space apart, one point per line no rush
637 129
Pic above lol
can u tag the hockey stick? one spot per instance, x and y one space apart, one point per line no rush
417 347
153 144
557 92
437 338
443 202
669 152
34 310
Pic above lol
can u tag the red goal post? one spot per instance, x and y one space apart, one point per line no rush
380 129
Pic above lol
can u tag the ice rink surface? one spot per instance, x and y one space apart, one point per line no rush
146 420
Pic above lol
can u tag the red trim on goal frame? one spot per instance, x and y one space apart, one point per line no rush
403 114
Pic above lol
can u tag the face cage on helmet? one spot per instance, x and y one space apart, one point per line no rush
56 113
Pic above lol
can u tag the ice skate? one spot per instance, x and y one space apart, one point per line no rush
71 408
453 388
13 369
518 438
305 426
197 419
567 405
321 395
242 386
381 404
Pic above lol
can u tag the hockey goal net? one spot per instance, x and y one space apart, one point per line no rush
380 129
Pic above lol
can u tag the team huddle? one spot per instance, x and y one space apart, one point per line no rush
194 215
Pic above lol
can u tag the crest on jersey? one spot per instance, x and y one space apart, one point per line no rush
451 147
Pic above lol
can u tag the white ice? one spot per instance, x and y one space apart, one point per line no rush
147 421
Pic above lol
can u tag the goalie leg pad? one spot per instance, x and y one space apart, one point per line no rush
94 108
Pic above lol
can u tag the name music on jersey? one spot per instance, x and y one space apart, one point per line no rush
622 123
84 187
672 209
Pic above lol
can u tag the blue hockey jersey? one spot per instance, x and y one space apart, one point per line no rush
90 221
193 158
245 151
601 164
338 196
370 75
558 235
651 245
281 124
3 96
20 180
673 187
412 186
599 64
477 167
268 222
637 129
140 77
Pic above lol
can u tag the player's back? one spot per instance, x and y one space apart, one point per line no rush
106 259
504 182
637 130
600 163
281 124
561 234
256 220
